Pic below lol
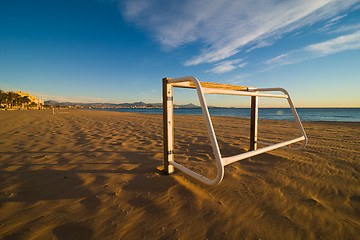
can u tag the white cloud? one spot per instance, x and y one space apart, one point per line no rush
243 64
338 18
227 66
333 21
339 44
239 79
342 43
227 27
347 28
133 11
259 45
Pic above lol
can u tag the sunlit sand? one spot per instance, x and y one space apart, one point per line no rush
96 175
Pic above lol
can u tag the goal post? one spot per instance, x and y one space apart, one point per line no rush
65 110
168 123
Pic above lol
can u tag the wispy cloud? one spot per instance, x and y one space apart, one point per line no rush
346 28
227 66
339 44
333 22
259 45
239 79
227 27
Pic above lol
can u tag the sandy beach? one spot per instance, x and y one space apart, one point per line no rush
97 175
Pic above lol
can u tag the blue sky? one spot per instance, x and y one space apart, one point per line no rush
118 51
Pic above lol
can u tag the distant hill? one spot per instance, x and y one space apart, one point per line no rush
190 105
115 105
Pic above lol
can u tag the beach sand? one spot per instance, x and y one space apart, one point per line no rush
96 175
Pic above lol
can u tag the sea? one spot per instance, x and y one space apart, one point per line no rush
305 114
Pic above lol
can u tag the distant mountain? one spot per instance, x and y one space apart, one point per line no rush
115 105
51 103
190 105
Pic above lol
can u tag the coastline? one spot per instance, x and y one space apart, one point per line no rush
94 174
305 114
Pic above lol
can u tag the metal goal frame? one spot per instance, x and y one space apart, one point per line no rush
216 88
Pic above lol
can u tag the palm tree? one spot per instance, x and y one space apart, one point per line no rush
33 104
18 100
10 98
2 97
13 99
26 100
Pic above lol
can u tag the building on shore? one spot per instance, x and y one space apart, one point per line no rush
40 103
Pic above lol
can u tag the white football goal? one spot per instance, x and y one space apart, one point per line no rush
216 88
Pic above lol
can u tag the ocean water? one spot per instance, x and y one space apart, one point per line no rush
305 114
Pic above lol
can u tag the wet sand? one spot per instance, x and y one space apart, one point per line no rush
96 175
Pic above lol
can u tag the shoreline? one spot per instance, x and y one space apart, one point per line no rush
214 115
350 122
